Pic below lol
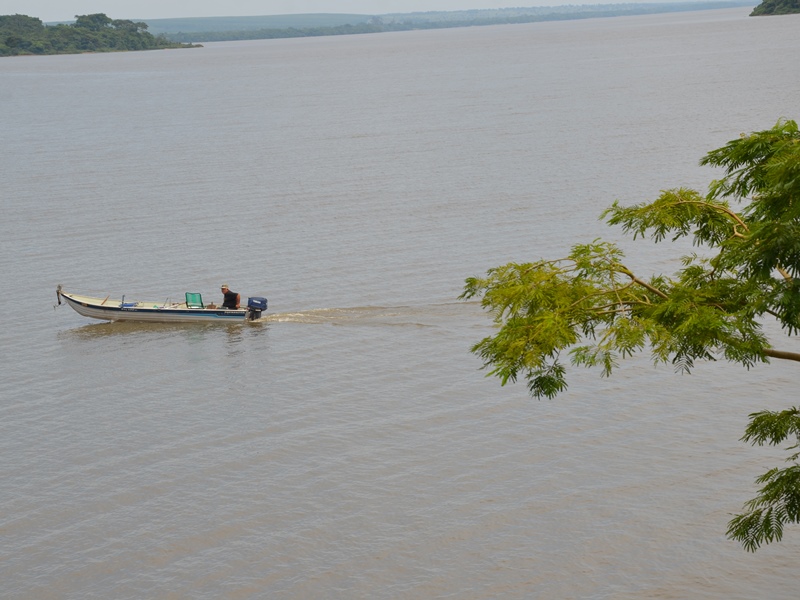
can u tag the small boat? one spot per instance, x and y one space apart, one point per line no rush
192 310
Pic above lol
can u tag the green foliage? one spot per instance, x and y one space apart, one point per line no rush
776 7
20 34
95 22
778 502
591 308
549 306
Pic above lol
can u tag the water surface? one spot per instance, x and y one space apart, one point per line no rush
350 447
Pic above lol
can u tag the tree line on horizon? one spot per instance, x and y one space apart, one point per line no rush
445 19
24 35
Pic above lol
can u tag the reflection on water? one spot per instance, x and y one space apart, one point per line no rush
106 329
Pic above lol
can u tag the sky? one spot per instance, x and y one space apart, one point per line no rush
65 10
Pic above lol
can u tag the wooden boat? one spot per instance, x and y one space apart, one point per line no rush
192 310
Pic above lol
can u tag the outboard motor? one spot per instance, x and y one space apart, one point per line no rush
254 308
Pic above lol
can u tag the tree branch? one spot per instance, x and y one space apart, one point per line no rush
782 354
783 272
642 283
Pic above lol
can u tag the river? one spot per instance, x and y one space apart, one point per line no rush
350 446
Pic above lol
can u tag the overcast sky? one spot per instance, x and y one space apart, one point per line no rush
65 10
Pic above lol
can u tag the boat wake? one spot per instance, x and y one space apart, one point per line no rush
418 316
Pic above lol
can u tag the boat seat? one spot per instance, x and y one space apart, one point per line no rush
194 300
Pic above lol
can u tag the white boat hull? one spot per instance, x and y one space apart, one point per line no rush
149 312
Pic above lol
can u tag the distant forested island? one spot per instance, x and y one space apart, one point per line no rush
20 35
776 7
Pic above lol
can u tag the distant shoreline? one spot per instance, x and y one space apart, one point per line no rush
21 35
209 29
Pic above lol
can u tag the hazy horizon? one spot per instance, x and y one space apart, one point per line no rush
58 10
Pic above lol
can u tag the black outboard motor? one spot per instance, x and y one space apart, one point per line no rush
254 308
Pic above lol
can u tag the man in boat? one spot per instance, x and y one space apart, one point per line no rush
231 298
